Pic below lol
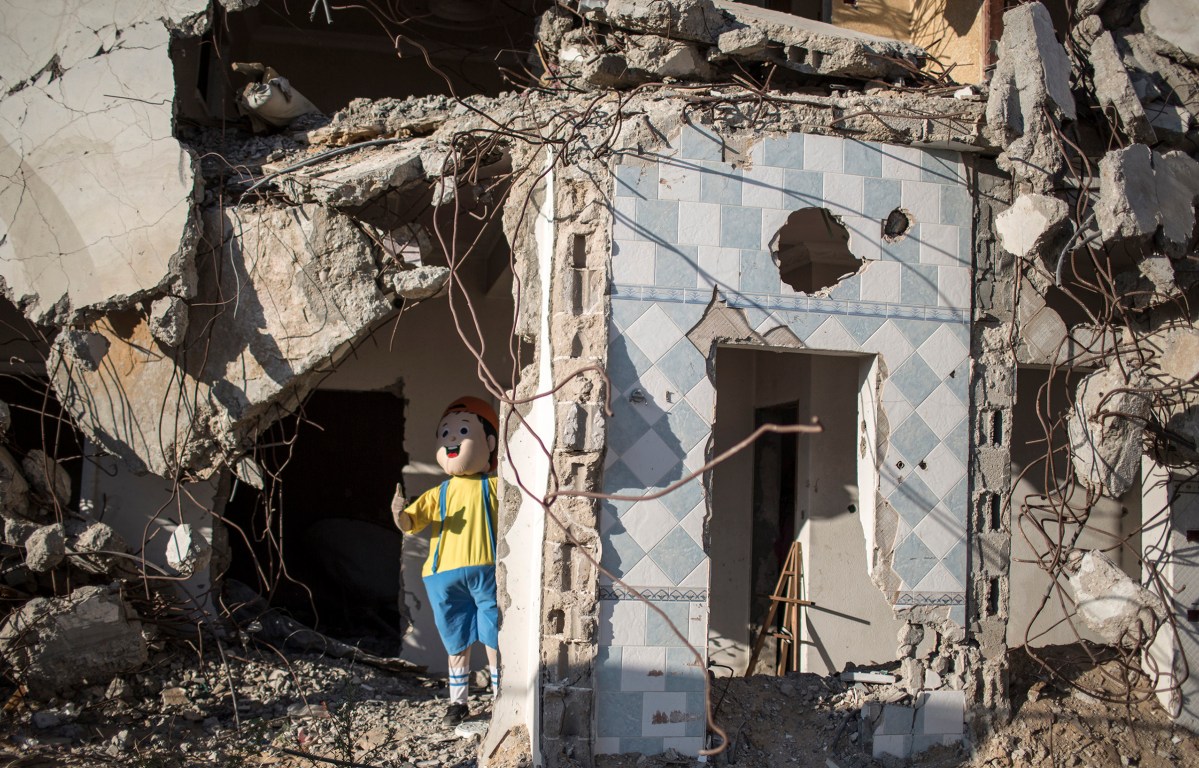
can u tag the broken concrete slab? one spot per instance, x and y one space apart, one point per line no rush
45 548
281 293
1114 89
739 30
97 548
1032 224
1105 426
1029 88
1174 22
97 204
1121 611
351 181
1145 195
1178 355
56 645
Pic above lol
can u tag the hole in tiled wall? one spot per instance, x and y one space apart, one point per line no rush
812 251
896 225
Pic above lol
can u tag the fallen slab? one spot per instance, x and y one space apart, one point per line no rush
57 645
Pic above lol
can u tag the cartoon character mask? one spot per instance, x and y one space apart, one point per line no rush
464 444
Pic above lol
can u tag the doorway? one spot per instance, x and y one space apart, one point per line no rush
790 488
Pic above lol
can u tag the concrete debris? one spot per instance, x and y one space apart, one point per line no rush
1121 611
421 283
1178 353
5 418
1032 225
720 31
168 320
187 550
1114 89
351 181
304 282
97 548
97 199
56 645
1105 429
1029 88
1144 196
17 530
269 100
1174 22
47 478
45 548
14 489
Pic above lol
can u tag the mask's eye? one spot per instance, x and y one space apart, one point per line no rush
464 431
445 433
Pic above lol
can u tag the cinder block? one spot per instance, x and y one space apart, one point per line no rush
940 713
897 721
899 746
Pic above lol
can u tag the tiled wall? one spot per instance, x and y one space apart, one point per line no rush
685 223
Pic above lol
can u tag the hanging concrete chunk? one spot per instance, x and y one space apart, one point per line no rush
1105 429
1033 223
1114 89
281 293
45 548
1144 195
421 283
1029 90
1121 611
168 320
61 644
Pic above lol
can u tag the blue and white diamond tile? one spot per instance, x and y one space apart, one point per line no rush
652 460
620 480
914 439
683 366
832 335
654 398
677 554
620 551
944 352
683 500
703 399
915 379
912 560
654 333
939 579
683 425
912 499
889 341
942 411
646 573
647 522
944 471
941 530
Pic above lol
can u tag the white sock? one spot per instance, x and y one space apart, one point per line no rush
459 678
495 681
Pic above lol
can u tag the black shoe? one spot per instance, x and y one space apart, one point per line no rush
455 714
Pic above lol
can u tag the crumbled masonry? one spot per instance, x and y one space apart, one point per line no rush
198 250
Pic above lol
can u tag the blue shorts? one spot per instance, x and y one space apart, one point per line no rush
464 607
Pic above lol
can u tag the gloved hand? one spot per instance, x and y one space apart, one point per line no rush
402 521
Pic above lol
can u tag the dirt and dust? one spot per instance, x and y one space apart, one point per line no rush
809 721
246 706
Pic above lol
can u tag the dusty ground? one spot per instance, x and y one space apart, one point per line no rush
257 708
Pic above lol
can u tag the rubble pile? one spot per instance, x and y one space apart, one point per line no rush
240 706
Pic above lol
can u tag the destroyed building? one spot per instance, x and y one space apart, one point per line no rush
937 258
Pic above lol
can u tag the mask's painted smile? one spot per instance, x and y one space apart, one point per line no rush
451 451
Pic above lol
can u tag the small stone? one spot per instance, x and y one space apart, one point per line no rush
45 719
175 697
420 283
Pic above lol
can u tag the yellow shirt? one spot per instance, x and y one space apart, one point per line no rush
467 535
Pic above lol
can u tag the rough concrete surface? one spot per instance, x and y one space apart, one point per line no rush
60 644
1031 224
1120 610
281 292
1106 429
97 203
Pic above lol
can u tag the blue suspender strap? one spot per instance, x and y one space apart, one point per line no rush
440 530
487 512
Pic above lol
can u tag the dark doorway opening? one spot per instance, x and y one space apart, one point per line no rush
775 475
324 517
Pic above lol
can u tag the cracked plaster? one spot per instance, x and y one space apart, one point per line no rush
96 205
